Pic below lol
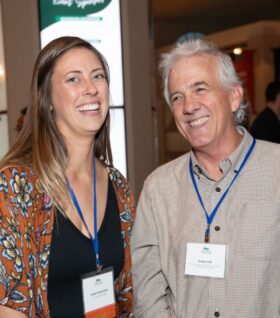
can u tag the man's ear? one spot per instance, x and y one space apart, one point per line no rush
236 96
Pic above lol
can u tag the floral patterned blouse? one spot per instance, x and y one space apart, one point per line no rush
26 222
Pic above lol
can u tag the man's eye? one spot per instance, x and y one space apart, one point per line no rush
175 99
200 89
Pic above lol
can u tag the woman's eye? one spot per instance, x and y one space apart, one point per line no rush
72 79
99 76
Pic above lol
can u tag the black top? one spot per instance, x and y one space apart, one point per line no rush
266 126
72 255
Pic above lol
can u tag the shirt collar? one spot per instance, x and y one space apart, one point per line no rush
233 161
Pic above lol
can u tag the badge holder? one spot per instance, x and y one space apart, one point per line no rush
206 260
98 294
97 287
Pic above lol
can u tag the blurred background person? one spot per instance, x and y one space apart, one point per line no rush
267 124
65 210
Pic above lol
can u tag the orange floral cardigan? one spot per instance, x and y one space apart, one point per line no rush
26 222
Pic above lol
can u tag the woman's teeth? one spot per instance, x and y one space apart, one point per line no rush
89 107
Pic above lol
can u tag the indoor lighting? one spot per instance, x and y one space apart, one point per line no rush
237 51
2 72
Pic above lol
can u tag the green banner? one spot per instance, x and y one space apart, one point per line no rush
52 11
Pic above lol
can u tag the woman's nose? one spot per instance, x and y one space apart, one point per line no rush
90 88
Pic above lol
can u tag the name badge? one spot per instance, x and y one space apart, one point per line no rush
205 260
99 295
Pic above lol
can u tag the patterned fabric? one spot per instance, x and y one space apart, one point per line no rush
26 222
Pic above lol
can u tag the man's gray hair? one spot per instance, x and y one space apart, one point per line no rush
227 74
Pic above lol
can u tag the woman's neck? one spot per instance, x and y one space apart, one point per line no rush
80 157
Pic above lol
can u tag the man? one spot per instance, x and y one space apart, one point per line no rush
206 237
267 124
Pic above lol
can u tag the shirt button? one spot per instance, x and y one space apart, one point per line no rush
217 228
216 314
218 189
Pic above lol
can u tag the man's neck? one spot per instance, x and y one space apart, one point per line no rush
210 159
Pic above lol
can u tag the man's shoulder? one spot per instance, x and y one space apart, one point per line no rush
264 145
269 150
170 169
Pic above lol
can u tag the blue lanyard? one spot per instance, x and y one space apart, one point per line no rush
211 217
94 241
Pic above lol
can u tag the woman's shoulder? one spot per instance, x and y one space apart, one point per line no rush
116 176
18 174
124 194
120 183
18 180
12 169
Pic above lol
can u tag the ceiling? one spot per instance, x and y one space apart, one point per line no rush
173 18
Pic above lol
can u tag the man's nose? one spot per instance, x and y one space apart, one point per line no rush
190 105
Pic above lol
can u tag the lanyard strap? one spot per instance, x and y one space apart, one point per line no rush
94 241
211 217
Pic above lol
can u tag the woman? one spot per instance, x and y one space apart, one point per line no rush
56 184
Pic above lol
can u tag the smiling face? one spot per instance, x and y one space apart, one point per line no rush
202 108
80 93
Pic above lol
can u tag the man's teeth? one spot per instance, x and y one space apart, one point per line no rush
89 107
199 121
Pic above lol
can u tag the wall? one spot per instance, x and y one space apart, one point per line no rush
4 136
3 97
21 46
138 90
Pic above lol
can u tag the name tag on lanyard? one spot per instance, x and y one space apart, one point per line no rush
205 260
97 287
98 294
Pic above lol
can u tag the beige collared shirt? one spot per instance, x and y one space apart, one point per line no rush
169 216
